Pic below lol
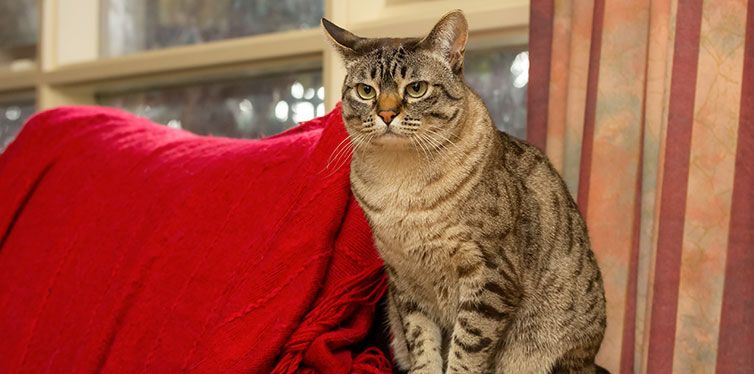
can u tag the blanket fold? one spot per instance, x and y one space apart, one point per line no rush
127 246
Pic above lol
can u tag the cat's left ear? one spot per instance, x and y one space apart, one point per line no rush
448 38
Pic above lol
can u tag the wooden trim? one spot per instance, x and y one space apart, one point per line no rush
207 74
15 96
47 48
18 80
225 52
76 32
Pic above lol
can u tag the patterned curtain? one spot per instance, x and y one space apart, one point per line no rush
646 107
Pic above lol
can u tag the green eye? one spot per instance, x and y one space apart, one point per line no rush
416 89
366 92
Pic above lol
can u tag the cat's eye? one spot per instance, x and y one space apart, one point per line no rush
365 91
416 89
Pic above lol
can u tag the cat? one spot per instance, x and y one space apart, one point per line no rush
487 258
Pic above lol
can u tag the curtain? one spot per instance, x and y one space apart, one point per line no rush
646 107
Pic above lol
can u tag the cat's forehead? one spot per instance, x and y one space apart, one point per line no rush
385 60
367 46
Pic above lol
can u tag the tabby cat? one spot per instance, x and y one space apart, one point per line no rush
488 260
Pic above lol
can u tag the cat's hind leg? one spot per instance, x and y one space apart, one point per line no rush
588 369
535 346
579 360
521 357
531 346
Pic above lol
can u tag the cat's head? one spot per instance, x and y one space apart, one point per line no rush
399 91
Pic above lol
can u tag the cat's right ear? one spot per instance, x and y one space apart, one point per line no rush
343 40
448 38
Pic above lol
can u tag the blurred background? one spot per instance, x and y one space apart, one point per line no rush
233 68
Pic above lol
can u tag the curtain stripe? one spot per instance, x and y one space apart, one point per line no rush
710 185
616 146
629 319
591 105
736 337
558 91
659 73
578 74
673 199
540 44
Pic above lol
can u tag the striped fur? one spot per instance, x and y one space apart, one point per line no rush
488 258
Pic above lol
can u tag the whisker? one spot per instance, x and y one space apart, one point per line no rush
455 154
344 150
422 165
358 142
336 150
439 129
344 153
439 147
424 147
414 144
447 140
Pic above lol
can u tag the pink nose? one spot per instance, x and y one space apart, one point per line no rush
387 116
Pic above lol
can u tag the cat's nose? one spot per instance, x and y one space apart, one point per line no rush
387 116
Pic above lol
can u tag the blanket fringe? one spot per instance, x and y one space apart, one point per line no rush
371 361
365 288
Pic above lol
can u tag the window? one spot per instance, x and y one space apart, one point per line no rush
13 114
19 27
500 77
247 108
135 25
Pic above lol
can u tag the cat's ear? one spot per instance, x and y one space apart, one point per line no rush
343 40
448 38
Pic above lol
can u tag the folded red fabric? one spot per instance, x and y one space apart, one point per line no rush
127 246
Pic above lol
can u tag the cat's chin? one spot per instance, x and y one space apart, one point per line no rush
390 139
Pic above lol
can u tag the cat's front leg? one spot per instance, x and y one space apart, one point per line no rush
417 339
485 310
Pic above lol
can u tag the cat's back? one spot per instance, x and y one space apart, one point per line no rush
526 167
548 229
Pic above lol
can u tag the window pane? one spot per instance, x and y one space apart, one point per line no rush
13 115
500 77
247 108
135 25
19 24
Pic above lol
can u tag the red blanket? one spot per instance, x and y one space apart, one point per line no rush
129 247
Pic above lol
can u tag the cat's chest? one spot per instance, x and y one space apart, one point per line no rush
435 289
394 208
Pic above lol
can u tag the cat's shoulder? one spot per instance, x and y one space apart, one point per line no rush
520 151
529 163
